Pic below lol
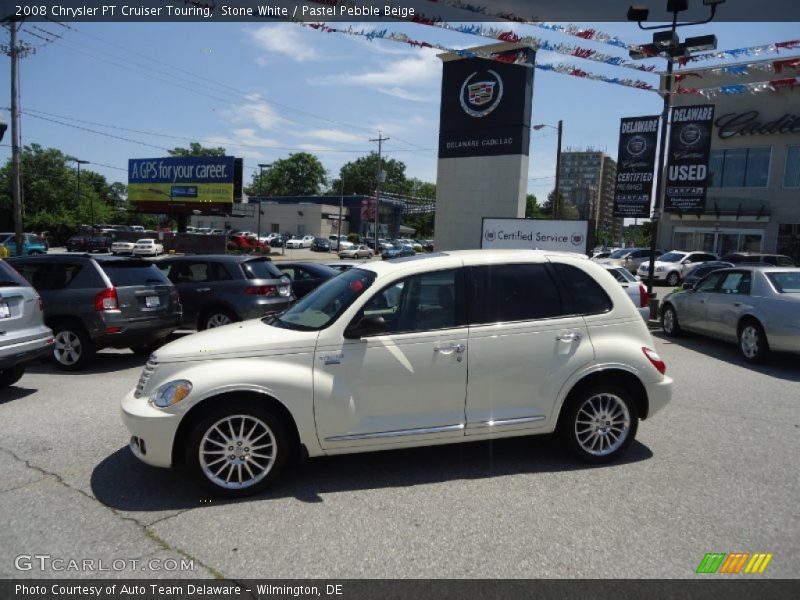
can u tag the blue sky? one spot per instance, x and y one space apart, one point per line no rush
265 90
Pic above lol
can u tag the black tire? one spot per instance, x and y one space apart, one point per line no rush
673 279
214 317
270 424
74 349
10 376
604 401
669 321
753 343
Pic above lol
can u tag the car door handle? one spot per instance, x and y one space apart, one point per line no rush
572 336
737 304
203 289
450 348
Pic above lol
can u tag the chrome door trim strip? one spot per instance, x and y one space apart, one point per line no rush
397 433
505 422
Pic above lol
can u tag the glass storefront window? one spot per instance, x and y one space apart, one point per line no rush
791 175
739 167
734 167
751 243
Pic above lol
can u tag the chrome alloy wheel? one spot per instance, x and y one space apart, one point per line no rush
68 348
750 340
218 320
669 321
237 452
603 424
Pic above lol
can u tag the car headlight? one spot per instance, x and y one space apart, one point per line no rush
171 393
659 269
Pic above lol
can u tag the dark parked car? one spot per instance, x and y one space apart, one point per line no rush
697 273
398 251
94 302
78 243
219 289
776 260
306 276
100 243
321 245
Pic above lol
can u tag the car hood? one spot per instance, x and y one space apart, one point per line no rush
237 340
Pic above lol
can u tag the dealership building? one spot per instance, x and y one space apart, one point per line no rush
753 198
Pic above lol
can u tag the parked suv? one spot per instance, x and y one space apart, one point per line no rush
219 289
23 335
672 266
93 302
776 260
377 358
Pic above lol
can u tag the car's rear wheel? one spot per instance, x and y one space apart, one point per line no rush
217 317
753 342
599 422
238 450
669 321
11 376
673 279
73 349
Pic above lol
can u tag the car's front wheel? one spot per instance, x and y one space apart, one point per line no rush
599 422
669 321
238 450
753 342
11 376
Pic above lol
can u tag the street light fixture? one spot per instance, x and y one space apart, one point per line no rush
80 162
667 44
560 129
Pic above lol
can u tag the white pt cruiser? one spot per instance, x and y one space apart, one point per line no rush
452 347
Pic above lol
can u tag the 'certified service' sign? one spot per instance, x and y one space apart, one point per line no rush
535 234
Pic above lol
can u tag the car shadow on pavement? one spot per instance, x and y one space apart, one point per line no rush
123 483
779 365
105 362
15 392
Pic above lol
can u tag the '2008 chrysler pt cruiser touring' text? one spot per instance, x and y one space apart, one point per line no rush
377 358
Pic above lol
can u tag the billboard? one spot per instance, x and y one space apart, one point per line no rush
687 164
485 108
177 185
636 159
535 234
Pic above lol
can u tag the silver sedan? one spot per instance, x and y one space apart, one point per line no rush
758 307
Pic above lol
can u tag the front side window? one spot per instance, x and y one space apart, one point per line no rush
739 167
517 292
424 302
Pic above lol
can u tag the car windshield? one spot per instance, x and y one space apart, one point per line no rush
671 257
145 241
133 272
620 253
323 306
787 282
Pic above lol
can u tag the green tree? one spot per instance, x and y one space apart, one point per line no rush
532 208
301 174
423 192
196 149
360 176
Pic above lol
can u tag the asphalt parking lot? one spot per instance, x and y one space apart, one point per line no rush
716 471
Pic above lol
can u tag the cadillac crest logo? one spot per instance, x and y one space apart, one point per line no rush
480 98
690 134
637 145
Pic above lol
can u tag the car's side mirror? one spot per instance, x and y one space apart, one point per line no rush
688 286
366 326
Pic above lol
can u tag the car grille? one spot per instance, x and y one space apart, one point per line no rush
149 367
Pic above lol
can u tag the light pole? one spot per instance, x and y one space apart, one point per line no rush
560 129
341 210
169 215
80 162
261 167
666 44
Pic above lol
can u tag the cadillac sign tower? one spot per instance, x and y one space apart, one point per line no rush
484 134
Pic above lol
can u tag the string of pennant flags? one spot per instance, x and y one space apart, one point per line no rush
775 85
775 66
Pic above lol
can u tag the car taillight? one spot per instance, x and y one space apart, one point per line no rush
106 300
262 290
41 305
642 296
655 360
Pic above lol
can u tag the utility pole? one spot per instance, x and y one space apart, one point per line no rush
558 167
341 210
261 167
16 187
80 162
379 174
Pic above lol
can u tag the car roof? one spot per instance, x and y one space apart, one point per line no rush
232 258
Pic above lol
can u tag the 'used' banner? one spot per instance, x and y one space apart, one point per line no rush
687 165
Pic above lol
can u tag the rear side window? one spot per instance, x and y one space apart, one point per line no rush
585 295
10 278
504 293
49 276
260 269
127 273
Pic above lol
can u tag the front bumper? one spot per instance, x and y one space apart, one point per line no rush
153 430
658 394
26 352
658 276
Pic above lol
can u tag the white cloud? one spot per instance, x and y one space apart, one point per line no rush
283 39
254 110
334 135
313 148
